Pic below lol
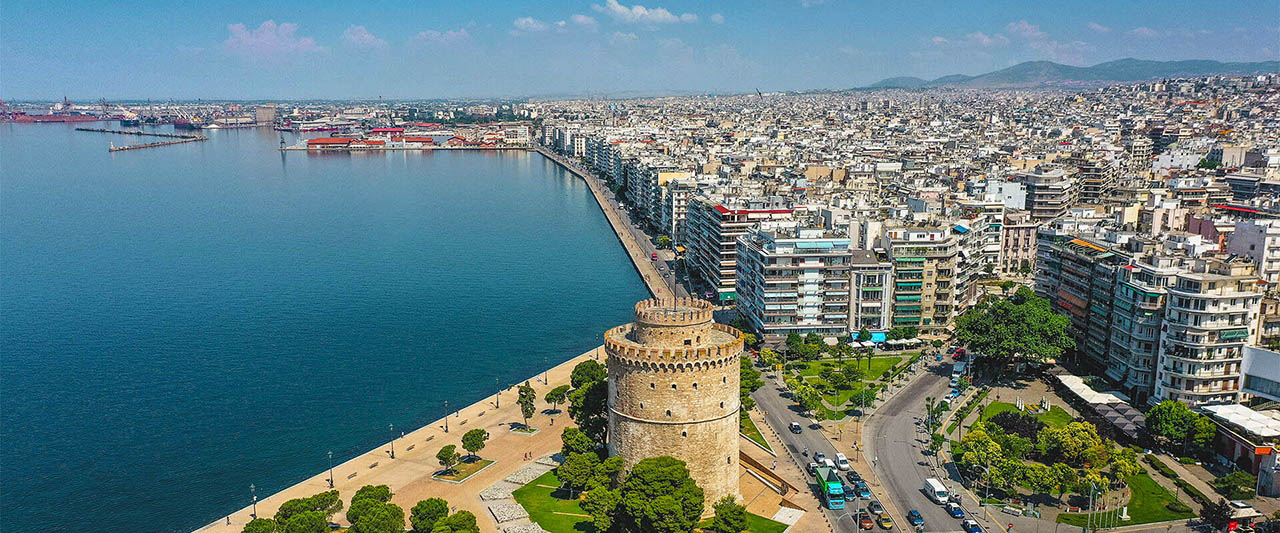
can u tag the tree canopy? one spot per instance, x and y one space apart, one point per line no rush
587 372
658 495
557 396
327 503
1019 329
748 383
459 522
588 407
1174 421
730 516
573 441
526 398
426 513
448 457
473 441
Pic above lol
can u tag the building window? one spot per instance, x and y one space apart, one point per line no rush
668 413
673 386
684 434
651 385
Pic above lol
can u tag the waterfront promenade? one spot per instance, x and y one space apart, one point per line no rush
409 474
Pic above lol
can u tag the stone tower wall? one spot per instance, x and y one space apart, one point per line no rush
669 398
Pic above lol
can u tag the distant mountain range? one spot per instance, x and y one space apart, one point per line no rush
1033 74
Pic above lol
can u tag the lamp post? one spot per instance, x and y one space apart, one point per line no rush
392 428
330 469
446 416
254 492
544 370
497 395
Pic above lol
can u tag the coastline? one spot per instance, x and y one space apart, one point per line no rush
409 473
415 460
652 279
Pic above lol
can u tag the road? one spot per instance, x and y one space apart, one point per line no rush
898 442
780 412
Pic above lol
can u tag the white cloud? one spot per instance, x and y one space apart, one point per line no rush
1025 30
717 18
622 38
811 3
938 39
268 41
529 24
584 21
1098 27
445 37
360 37
984 40
638 14
1143 32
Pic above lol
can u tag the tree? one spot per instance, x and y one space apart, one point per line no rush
749 381
793 341
1171 419
587 372
473 441
935 442
327 503
1124 464
1065 478
813 338
664 242
730 517
459 522
864 335
588 407
261 525
1074 443
770 358
382 493
525 399
578 470
426 513
557 396
1203 433
575 441
1006 286
808 398
1018 329
660 496
1218 515
1039 477
602 504
750 340
448 457
307 522
852 373
1237 485
977 448
379 518
1017 423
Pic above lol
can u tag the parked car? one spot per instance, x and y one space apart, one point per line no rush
970 526
875 507
885 521
954 510
864 520
915 518
795 428
853 477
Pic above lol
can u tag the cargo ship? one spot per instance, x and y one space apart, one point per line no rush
61 112
184 124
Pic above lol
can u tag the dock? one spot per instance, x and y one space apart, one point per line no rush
114 148
140 132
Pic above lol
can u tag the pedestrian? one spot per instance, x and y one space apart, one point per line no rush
775 465
228 520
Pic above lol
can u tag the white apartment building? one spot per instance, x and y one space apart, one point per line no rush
1259 240
1211 312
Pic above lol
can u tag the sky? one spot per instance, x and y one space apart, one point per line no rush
436 49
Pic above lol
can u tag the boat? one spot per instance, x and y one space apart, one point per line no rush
130 122
184 124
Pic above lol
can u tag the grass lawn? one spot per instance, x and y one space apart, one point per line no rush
755 524
551 508
465 470
748 427
878 366
1146 506
1056 417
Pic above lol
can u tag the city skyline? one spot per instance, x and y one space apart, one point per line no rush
250 51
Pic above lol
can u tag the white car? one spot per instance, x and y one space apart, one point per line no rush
842 462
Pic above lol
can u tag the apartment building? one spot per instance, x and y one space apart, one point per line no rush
1017 242
1259 240
1050 192
712 228
1137 316
1211 313
1077 275
924 261
792 279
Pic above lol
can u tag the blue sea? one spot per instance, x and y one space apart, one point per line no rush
178 323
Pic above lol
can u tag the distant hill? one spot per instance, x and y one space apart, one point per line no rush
1049 74
900 82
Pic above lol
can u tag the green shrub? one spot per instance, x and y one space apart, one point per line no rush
1177 507
1187 460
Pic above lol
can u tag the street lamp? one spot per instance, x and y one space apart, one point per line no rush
544 370
330 469
446 416
392 428
497 395
253 491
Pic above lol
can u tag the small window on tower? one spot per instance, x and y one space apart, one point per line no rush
688 342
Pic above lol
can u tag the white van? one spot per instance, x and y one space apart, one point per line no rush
935 491
842 462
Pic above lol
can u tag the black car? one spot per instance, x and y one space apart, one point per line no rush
875 507
795 428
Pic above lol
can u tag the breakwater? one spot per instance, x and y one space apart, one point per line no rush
140 132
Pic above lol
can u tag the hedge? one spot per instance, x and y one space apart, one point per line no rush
1190 489
964 411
